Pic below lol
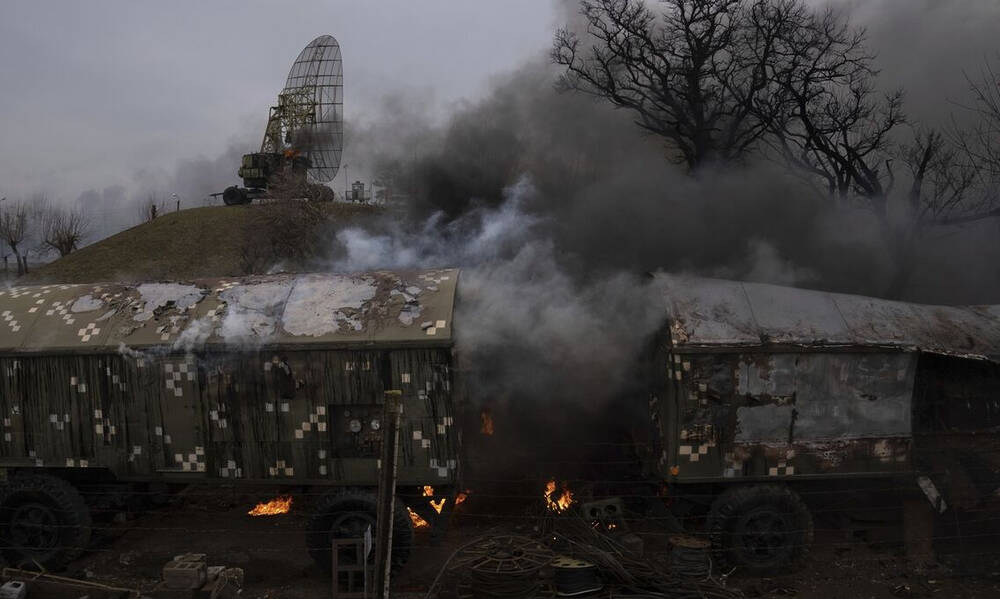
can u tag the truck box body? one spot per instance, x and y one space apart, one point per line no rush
760 382
274 378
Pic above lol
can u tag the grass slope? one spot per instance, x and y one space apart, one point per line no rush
190 244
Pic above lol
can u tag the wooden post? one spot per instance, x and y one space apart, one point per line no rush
387 492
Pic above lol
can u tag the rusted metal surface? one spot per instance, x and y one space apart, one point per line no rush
778 415
760 381
711 314
165 389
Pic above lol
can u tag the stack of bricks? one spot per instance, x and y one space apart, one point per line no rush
188 576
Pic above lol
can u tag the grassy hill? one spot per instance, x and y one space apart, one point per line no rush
190 244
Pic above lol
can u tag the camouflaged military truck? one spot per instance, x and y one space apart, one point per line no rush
273 379
763 395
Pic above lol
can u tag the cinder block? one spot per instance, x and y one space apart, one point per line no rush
184 574
14 589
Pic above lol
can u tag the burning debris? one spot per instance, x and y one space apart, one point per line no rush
275 507
438 504
558 500
418 522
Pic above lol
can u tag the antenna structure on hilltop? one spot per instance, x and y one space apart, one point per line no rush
304 137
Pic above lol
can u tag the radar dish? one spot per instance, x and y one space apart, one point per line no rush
308 121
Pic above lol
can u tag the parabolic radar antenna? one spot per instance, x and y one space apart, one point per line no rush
304 137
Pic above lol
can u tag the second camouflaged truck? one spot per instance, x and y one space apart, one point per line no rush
763 395
275 379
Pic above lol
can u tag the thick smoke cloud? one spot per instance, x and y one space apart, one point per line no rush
524 325
927 47
612 201
556 206
609 199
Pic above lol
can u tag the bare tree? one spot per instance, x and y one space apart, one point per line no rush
63 229
944 189
981 144
283 233
13 229
698 74
825 117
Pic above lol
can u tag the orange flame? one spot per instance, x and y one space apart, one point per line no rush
460 499
487 427
417 521
437 505
557 502
275 507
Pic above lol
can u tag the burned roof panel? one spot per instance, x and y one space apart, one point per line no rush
726 320
787 314
707 313
315 309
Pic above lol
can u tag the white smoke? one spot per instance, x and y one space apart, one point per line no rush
525 328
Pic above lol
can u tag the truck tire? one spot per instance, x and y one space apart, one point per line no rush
44 522
234 196
347 515
760 529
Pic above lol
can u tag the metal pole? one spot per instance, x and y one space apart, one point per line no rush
387 492
5 254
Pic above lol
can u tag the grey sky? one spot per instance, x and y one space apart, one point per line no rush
99 93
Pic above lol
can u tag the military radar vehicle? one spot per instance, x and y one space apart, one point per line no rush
304 136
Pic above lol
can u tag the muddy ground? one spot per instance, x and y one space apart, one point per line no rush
131 551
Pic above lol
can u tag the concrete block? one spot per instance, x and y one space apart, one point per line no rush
14 589
184 574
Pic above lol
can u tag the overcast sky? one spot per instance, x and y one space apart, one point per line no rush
104 92
100 93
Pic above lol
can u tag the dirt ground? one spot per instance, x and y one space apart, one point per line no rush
272 552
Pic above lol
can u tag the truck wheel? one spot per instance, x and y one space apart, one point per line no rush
760 529
44 522
233 196
346 516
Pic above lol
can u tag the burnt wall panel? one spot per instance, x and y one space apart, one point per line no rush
765 414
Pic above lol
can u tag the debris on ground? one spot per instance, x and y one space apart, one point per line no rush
24 584
188 576
569 555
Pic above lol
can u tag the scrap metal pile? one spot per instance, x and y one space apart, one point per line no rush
570 554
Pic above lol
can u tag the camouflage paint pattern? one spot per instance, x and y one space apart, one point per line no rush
275 378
